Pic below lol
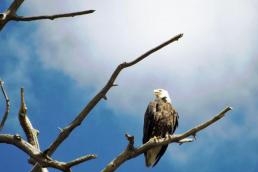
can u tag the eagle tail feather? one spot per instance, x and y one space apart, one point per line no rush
160 154
151 156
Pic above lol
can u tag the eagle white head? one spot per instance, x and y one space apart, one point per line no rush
162 94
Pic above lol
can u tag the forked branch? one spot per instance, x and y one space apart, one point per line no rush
41 157
128 154
30 132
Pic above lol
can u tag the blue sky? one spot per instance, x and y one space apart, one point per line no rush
62 64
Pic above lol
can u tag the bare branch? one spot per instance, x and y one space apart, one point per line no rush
131 153
40 157
81 160
7 105
26 147
130 139
52 17
83 114
30 132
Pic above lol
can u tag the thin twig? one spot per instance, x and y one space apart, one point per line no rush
185 140
131 153
81 160
7 105
52 17
83 114
130 139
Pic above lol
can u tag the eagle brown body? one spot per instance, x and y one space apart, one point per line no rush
160 120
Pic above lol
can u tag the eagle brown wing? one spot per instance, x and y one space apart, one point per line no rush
160 119
148 122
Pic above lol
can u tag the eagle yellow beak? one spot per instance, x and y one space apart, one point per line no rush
157 92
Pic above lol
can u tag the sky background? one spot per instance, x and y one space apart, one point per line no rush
63 63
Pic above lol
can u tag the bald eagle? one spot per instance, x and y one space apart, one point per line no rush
160 119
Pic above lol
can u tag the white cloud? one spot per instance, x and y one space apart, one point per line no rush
212 66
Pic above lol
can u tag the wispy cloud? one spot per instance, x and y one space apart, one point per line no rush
214 65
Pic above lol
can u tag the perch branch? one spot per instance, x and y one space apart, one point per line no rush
7 105
52 17
83 114
131 153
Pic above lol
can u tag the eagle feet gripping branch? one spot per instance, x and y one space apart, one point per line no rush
155 139
168 136
160 121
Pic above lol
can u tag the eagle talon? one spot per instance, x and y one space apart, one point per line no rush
169 136
159 137
155 139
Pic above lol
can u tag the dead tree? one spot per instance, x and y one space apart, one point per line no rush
41 160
